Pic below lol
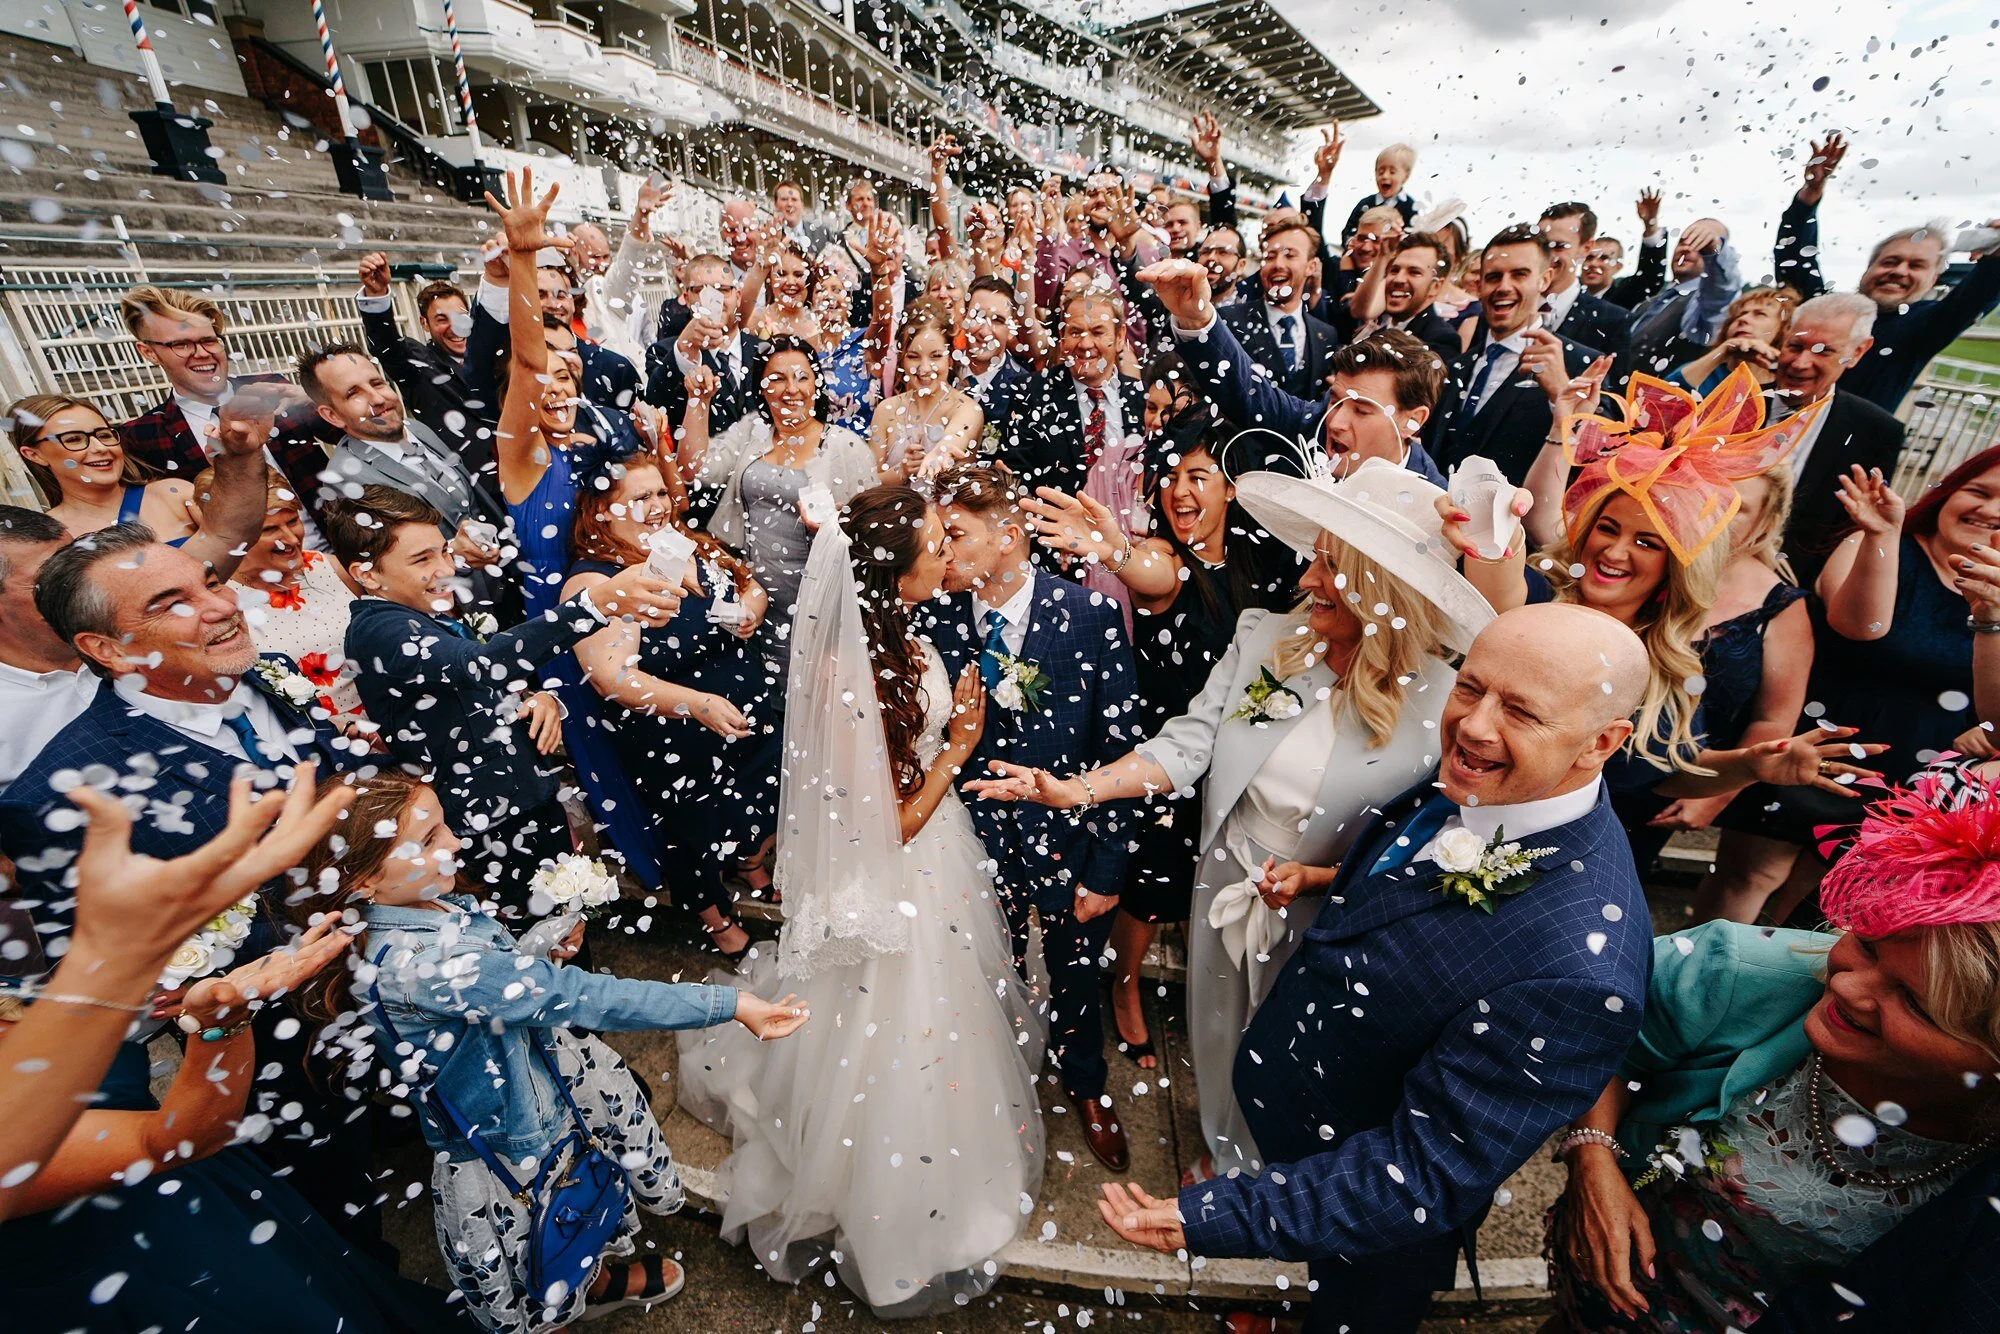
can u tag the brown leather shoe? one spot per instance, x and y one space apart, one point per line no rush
1104 1135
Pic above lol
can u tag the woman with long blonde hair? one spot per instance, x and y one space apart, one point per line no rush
1308 720
85 477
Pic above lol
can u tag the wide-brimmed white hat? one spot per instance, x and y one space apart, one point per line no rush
1388 514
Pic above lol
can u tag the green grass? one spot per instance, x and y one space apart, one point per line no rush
1985 350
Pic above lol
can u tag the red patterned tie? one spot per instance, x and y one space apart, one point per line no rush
1093 429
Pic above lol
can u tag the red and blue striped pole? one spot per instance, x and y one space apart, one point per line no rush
149 60
464 82
333 72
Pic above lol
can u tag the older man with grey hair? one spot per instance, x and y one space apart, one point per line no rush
1831 335
1902 270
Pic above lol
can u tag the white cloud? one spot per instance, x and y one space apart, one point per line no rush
1513 107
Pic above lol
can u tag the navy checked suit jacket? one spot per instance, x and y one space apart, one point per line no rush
1090 715
1416 1051
186 797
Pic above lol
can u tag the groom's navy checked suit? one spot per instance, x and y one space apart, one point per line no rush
1415 1053
1088 713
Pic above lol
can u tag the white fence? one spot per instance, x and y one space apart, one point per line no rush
1951 414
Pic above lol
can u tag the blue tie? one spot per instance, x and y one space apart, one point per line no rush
1418 830
994 647
1475 397
1287 327
239 723
454 628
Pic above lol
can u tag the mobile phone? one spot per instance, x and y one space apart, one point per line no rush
709 304
816 503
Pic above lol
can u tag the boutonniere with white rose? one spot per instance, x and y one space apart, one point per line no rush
1268 700
280 681
213 948
1482 871
1020 685
483 624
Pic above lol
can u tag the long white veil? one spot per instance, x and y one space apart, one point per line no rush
840 848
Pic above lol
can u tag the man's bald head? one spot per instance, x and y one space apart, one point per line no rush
1544 699
589 249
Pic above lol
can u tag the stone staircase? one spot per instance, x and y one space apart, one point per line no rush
71 162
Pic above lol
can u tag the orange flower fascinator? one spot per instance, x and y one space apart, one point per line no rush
1678 456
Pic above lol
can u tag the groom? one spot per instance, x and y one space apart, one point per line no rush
1418 1050
1078 714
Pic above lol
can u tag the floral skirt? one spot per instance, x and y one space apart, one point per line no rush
483 1230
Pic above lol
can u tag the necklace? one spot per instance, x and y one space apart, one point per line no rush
1822 1145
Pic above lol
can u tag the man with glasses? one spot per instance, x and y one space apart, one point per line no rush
1567 309
710 335
1380 390
185 336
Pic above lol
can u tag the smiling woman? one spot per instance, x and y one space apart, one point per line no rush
1839 1082
84 474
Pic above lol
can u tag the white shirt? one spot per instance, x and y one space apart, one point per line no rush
1556 306
1114 409
37 705
206 723
1297 316
1804 448
201 419
1522 822
1014 611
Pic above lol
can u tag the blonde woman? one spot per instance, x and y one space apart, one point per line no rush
85 476
1753 329
928 424
1308 721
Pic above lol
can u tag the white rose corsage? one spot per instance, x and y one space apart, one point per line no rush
1020 685
213 948
483 624
1268 700
1482 872
572 883
295 688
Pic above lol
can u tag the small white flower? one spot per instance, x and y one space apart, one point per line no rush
193 959
1280 705
1007 694
1458 850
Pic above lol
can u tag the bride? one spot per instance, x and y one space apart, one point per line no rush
899 1136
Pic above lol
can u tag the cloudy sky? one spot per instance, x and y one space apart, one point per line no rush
1513 104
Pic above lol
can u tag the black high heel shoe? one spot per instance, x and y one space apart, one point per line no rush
735 957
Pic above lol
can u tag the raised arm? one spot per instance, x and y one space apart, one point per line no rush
518 445
1796 253
943 150
1858 584
232 516
1223 370
1978 579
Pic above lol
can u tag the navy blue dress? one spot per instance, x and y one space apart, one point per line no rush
218 1245
711 801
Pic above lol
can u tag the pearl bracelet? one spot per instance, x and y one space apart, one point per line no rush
1581 1136
1089 792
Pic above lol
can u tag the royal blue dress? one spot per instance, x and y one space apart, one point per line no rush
218 1245
849 387
541 531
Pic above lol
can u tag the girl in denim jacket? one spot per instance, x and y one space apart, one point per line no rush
467 1009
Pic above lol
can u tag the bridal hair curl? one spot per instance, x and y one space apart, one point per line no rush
885 535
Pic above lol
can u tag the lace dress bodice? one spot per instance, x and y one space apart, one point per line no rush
937 706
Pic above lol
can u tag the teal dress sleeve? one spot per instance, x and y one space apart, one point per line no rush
1724 1014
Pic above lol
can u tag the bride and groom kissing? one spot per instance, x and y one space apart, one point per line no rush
899 1140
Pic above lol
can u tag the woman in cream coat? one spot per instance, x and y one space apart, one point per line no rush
1307 722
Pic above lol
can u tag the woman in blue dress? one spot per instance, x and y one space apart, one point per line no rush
86 479
690 709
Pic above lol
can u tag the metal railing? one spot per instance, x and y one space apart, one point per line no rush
1945 421
840 130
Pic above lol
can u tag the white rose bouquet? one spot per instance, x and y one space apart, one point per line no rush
213 948
571 884
1482 872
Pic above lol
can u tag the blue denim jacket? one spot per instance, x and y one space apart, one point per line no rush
463 999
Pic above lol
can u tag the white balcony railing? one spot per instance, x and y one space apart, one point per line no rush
839 131
1077 85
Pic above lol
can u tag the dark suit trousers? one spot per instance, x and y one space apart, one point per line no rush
1385 1293
1073 951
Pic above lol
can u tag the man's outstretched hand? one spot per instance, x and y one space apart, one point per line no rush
1142 1219
1183 288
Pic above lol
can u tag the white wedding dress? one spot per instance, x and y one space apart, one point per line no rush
897 1136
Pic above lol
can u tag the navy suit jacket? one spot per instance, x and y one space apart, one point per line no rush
438 704
996 399
1416 1050
666 387
186 799
1226 377
1516 420
1856 433
1250 322
1090 715
1594 322
1636 288
1043 442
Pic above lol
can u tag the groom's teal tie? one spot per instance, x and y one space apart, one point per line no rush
239 723
993 649
1419 829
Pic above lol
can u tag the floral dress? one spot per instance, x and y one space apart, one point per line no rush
308 624
1763 1213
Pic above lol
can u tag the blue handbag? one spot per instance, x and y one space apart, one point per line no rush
575 1208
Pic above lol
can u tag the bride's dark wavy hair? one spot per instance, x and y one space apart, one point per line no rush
885 535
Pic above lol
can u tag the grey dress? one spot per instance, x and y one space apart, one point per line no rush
776 542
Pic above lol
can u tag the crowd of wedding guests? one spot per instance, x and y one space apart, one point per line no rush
520 581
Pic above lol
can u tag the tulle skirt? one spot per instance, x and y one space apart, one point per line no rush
897 1137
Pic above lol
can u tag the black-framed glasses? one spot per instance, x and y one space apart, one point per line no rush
187 347
75 442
